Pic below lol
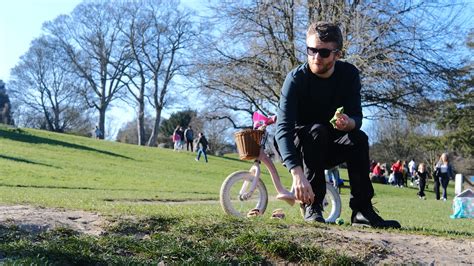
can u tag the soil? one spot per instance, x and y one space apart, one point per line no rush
403 248
375 247
36 219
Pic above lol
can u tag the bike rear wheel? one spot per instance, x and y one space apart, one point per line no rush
234 202
331 204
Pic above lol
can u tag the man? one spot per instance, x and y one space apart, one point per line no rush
189 137
307 141
98 132
202 145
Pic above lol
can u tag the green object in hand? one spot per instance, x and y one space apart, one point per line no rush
339 110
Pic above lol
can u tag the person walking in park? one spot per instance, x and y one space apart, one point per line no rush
309 143
181 137
177 139
422 175
189 137
202 146
443 172
97 132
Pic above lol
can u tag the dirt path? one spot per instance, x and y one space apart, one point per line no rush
35 219
400 248
384 247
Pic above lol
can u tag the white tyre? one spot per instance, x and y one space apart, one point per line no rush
231 198
331 204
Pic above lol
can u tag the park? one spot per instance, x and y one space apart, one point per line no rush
105 114
147 205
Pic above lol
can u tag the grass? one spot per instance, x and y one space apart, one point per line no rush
57 170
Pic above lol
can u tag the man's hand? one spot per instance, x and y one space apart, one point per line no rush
344 122
302 187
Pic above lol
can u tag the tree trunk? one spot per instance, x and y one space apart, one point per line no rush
141 121
156 126
102 121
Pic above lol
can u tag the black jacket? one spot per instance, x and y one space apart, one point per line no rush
307 99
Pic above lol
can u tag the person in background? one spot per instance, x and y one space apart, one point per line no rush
202 146
377 175
97 132
189 137
405 173
412 170
309 143
373 163
422 175
444 171
397 169
333 176
177 139
181 137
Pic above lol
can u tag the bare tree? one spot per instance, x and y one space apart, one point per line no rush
42 82
405 62
155 33
245 72
89 37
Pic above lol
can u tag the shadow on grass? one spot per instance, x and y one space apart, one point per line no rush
235 159
25 161
169 201
20 135
63 187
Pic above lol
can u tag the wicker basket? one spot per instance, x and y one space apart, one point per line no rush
248 143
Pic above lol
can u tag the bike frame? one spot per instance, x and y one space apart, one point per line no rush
247 183
283 193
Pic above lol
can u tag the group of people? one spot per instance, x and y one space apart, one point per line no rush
401 171
398 174
181 137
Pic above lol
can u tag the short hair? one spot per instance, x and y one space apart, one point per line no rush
327 32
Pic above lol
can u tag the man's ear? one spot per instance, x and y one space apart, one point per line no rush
339 54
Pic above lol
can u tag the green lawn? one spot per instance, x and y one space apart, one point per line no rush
58 170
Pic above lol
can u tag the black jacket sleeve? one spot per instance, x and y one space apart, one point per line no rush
286 120
353 107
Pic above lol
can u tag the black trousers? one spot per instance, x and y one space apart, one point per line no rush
398 178
324 147
189 143
421 187
442 179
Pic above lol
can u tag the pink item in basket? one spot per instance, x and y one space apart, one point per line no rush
261 120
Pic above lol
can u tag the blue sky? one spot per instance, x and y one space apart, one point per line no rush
20 23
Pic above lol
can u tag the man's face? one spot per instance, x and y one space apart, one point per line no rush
320 66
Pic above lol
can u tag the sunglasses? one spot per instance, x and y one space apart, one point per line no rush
323 52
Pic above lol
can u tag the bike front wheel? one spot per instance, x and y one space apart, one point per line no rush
236 197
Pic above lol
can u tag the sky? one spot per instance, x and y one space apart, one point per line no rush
21 22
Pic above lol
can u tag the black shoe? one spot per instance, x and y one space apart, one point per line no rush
369 218
312 213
